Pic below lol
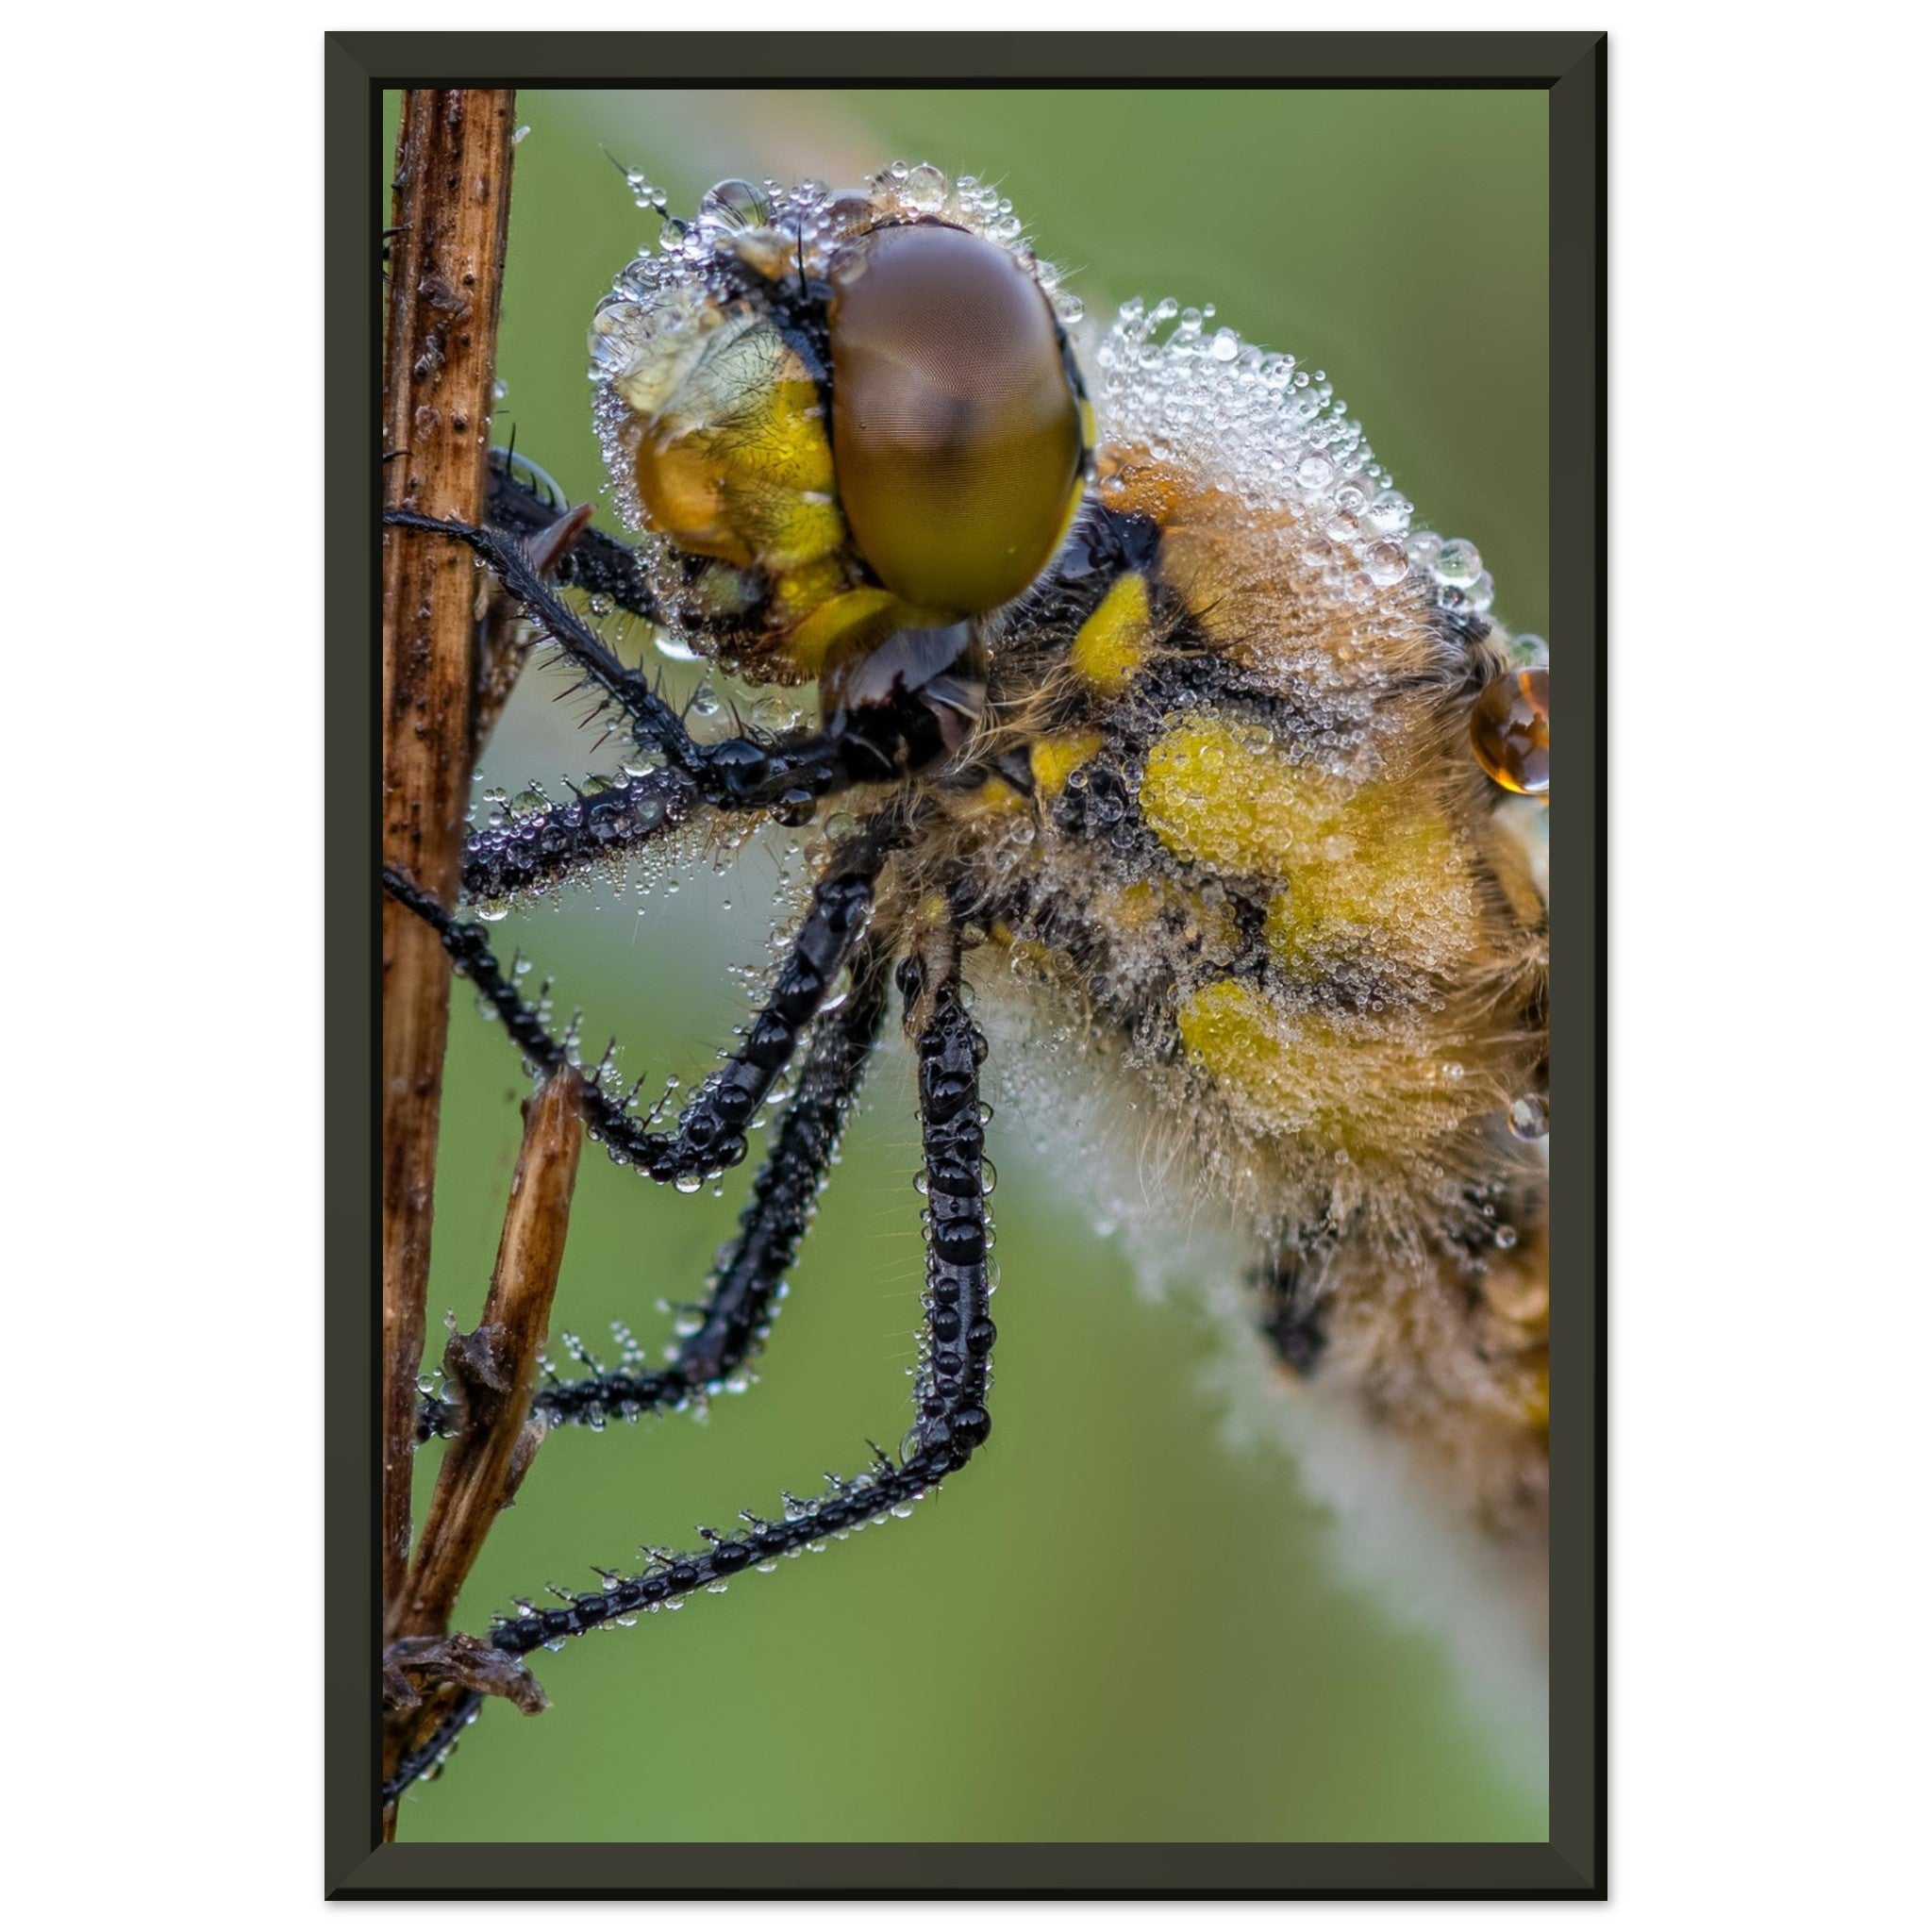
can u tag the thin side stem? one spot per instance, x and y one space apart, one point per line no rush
496 1367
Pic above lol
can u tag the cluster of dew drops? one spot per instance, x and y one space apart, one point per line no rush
1256 423
813 220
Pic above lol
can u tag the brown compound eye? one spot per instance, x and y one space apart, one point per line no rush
1509 726
956 428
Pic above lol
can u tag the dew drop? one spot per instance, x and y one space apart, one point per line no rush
736 204
923 188
1459 563
1510 729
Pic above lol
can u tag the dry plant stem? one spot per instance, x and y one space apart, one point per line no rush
497 1366
451 216
496 1369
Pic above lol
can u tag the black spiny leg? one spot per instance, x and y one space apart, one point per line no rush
951 1421
737 774
709 1136
591 561
738 1306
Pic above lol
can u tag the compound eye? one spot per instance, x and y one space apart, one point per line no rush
956 428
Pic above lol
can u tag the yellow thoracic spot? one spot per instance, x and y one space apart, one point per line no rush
1386 865
1056 758
1355 859
1112 643
996 794
1275 1063
1347 1079
1220 795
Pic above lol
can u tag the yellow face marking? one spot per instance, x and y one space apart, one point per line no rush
799 592
737 463
1056 758
1112 643
868 608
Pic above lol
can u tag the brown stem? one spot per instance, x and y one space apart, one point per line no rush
451 217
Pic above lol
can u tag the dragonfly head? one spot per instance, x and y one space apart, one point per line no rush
840 416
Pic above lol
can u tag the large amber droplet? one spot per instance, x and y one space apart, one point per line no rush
1509 726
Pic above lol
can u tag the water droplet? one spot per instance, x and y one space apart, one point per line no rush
736 204
1510 729
923 187
1459 563
1314 472
1386 563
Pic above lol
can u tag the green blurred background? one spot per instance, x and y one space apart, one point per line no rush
1116 1626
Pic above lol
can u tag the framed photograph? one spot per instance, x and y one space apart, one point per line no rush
981 610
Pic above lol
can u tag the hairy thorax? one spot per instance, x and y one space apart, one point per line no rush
1229 824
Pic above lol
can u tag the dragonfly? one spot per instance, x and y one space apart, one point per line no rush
1139 723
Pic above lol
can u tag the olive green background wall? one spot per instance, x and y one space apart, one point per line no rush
1116 1625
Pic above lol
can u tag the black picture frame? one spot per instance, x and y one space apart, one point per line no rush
1572 67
